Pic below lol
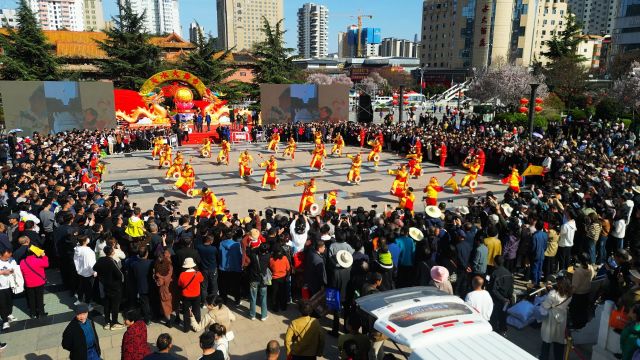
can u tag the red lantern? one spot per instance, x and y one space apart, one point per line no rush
395 102
405 102
405 96
395 96
538 101
538 108
524 109
524 101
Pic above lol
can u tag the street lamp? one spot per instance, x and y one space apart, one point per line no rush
532 101
422 77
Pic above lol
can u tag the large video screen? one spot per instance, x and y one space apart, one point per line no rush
282 104
55 106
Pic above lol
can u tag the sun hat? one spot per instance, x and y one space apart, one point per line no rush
463 210
385 260
433 211
493 219
507 209
416 234
439 274
344 259
636 189
188 263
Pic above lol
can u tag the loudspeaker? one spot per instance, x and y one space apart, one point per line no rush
365 110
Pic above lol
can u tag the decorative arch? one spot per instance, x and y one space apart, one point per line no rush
175 75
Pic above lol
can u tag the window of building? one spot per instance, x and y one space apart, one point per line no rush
553 22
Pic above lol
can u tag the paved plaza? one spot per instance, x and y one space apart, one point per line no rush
40 339
146 182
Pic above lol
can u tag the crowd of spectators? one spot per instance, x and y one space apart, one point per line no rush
192 273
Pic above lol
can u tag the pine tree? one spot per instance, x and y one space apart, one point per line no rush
131 58
26 54
203 63
565 43
274 65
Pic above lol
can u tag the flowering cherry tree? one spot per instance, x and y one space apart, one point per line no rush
627 89
324 79
506 82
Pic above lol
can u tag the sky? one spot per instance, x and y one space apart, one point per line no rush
394 20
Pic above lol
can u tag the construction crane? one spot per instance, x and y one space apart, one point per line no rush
359 51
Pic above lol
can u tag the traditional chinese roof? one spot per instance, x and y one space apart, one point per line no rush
82 44
171 41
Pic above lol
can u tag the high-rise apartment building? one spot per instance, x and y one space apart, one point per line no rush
161 16
597 17
59 14
240 21
8 17
194 31
93 15
399 48
313 30
466 34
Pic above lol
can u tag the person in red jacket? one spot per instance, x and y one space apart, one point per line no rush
443 154
362 136
32 268
189 286
134 340
482 159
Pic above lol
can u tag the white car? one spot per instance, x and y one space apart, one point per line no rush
436 326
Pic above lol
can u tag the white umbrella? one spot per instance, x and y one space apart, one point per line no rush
15 131
538 135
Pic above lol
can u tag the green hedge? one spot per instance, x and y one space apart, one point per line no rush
519 119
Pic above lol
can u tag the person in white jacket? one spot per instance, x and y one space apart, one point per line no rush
222 341
8 270
84 258
298 232
565 242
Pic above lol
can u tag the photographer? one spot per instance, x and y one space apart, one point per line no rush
162 210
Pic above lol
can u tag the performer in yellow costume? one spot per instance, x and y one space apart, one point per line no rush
331 200
317 136
187 180
318 155
354 174
207 204
376 149
407 200
100 170
273 143
221 209
338 145
290 150
223 155
415 163
432 190
165 156
244 164
269 177
473 166
513 180
176 166
307 194
157 146
399 185
205 150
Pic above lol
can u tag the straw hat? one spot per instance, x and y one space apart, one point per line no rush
344 259
416 234
463 210
433 211
188 263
